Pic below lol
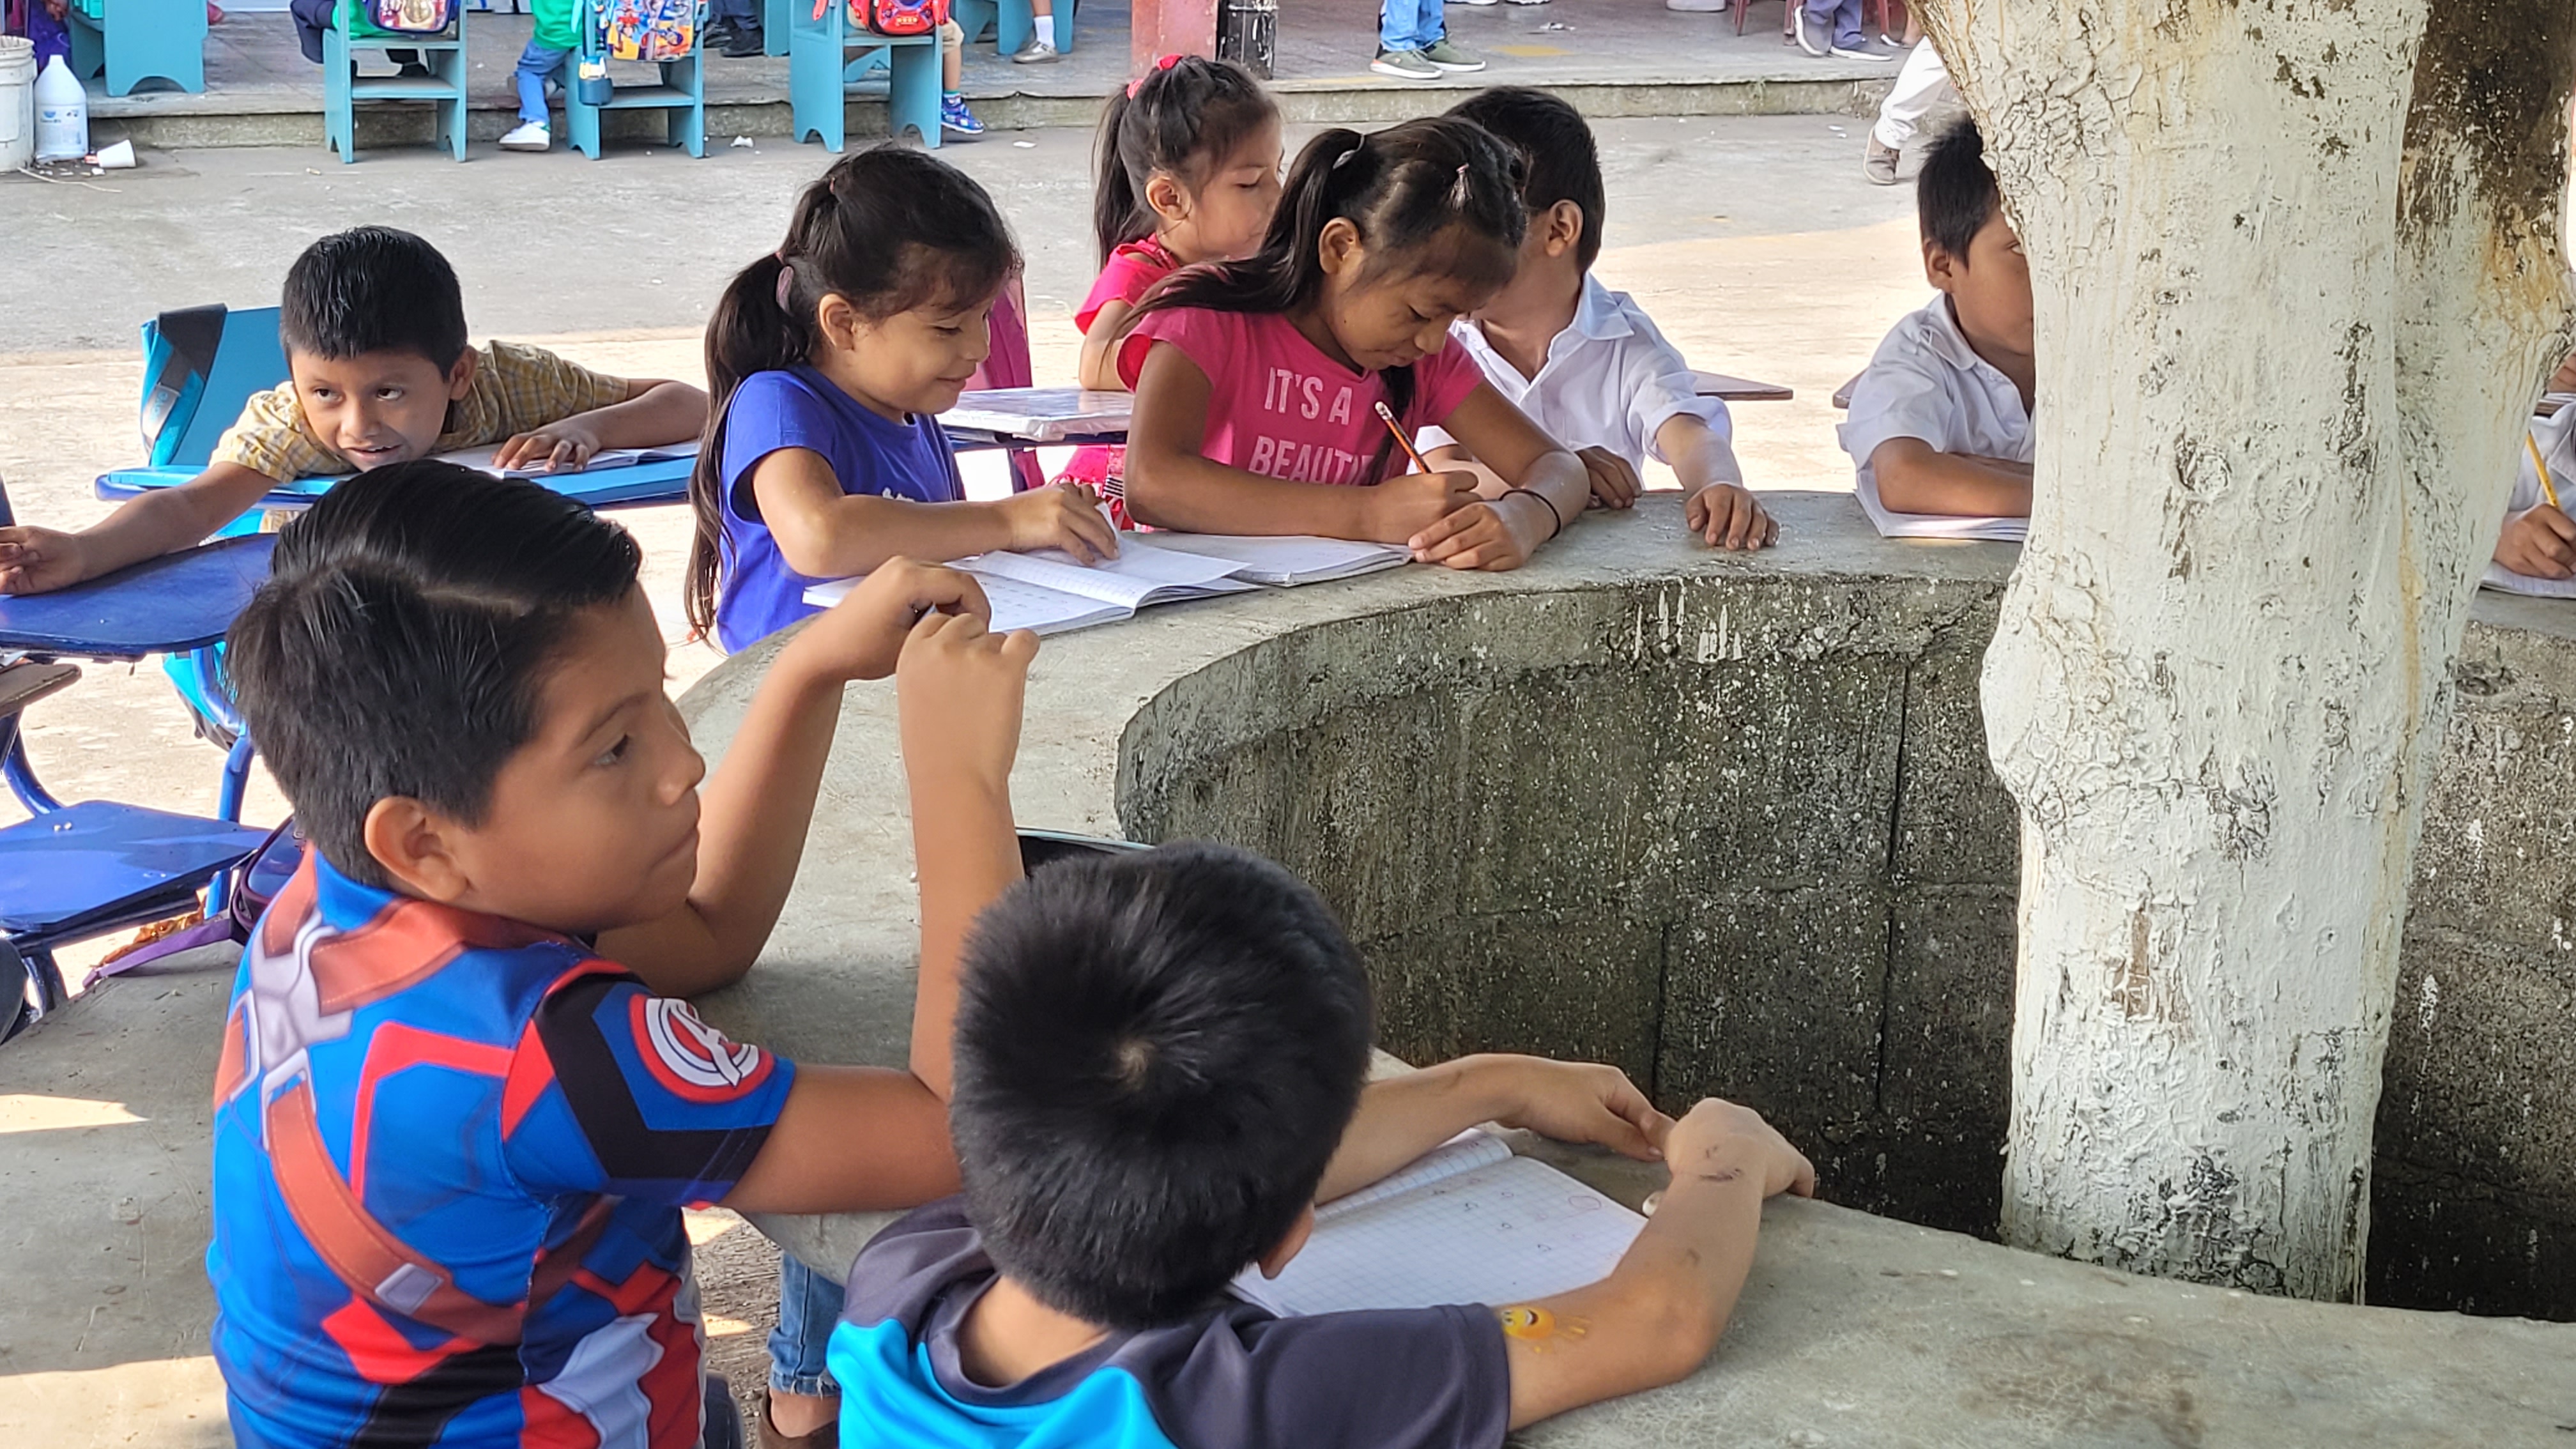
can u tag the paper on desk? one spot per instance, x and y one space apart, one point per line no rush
1289 560
1891 524
1041 414
480 459
2505 581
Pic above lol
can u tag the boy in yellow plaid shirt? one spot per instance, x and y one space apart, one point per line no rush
380 372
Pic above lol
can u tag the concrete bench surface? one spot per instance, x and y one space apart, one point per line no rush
1855 1330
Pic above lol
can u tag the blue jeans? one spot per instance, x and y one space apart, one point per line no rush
1413 24
1840 16
808 1305
538 62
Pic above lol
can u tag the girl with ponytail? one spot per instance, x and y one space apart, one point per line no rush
1257 381
1188 172
829 361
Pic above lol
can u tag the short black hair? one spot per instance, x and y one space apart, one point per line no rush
1157 1053
1564 160
373 289
1955 195
399 645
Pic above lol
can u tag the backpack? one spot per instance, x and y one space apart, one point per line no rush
651 29
411 17
893 17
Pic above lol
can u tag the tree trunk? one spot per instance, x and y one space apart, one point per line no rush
2298 278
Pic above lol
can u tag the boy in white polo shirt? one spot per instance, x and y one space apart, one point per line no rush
1940 423
1585 363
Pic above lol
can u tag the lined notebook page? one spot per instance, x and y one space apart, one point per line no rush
1499 1233
1137 573
1288 560
2505 580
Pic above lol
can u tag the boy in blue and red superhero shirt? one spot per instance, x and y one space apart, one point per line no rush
460 1104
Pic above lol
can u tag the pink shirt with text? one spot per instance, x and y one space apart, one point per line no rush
1132 272
1279 407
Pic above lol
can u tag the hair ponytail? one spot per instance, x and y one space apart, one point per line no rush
1183 118
886 230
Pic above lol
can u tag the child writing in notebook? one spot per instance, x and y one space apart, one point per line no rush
2539 539
829 361
1188 173
1258 382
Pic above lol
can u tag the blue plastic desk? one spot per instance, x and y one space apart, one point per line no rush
636 486
167 605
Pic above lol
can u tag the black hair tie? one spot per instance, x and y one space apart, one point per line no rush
1543 501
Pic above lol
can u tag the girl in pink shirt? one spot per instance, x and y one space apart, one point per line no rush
1257 381
1188 173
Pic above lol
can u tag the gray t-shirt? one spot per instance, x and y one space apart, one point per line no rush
1231 1376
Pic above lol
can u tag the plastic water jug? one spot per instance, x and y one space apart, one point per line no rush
62 114
17 102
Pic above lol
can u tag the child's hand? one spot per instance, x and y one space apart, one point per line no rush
1614 483
1725 515
1061 515
1578 1102
2539 542
40 560
1722 1141
958 691
1401 508
563 447
862 636
1492 534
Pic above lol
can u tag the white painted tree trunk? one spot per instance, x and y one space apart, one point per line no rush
2297 275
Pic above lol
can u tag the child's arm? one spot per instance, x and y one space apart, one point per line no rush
1509 526
754 812
39 560
1172 484
1401 1118
2539 542
824 533
854 1137
1913 478
1100 341
654 414
1658 1315
1718 507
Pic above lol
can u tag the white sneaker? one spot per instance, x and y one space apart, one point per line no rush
530 136
1480 4
1697 7
1039 51
1529 2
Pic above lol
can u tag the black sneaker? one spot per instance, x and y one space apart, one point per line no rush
717 35
744 44
1867 49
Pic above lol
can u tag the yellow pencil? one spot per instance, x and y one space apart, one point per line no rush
1386 415
2528 441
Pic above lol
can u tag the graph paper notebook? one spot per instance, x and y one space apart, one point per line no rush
1467 1223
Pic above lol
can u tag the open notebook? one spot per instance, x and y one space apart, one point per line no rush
1467 1223
606 458
1047 592
1891 524
2505 580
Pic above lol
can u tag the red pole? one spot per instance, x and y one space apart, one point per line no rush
1169 27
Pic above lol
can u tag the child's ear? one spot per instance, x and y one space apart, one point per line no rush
410 843
1338 249
1564 228
1939 267
1164 195
1275 1262
460 375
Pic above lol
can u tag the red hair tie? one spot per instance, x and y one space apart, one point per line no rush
1162 63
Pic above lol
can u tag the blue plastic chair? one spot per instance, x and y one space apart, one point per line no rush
133 41
681 96
343 87
821 67
73 872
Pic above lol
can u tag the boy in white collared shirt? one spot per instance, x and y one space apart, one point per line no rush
1586 363
1940 423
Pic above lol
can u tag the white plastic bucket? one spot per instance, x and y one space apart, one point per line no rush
17 102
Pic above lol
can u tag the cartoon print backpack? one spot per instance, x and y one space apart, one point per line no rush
411 17
893 17
651 29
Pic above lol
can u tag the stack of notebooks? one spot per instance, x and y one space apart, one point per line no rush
1049 592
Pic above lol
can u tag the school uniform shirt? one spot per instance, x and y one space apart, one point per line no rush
2556 436
1927 382
516 389
450 1156
757 593
1231 1376
1279 407
1132 272
1609 380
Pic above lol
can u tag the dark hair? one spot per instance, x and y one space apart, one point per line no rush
400 641
1431 195
1955 195
1184 119
1156 1056
886 230
372 289
1564 161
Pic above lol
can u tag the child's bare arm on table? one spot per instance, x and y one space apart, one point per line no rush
654 413
1537 487
1401 1118
36 560
1658 1315
825 533
1913 478
858 1137
1717 506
